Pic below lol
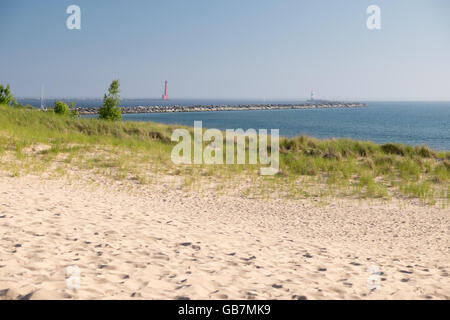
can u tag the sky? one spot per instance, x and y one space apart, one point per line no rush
232 49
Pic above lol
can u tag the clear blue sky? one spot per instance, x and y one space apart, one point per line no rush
274 49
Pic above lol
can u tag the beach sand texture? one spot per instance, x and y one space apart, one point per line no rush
156 243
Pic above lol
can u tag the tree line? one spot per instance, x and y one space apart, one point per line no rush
110 109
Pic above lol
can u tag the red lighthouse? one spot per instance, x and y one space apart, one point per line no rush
166 91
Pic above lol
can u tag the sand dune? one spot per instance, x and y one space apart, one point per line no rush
155 243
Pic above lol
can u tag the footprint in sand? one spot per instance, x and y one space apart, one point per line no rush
296 297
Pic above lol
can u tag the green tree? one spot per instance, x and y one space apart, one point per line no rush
110 109
61 108
6 96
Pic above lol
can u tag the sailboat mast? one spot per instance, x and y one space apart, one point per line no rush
42 98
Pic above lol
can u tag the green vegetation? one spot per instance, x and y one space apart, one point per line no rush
32 141
61 108
6 96
110 109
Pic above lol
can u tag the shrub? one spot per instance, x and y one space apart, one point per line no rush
109 110
73 112
61 108
6 96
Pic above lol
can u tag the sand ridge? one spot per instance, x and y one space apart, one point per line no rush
158 243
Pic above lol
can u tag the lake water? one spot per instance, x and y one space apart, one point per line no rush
415 123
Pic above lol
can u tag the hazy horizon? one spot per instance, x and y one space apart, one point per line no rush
252 50
224 99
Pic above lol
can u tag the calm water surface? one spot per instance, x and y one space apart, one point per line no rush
413 123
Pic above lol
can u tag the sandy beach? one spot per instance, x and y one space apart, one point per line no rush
153 242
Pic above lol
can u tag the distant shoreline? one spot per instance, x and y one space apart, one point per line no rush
246 107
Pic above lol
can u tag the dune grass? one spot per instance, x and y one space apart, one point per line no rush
32 141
